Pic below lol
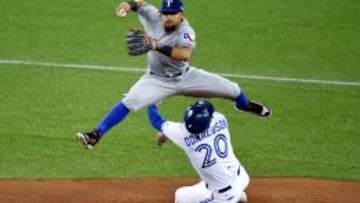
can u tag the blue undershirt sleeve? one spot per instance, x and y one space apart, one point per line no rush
155 118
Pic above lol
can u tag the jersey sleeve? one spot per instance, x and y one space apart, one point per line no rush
172 131
187 38
148 13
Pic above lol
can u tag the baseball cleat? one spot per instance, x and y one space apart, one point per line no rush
265 110
88 139
257 109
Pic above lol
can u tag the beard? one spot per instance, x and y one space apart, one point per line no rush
170 27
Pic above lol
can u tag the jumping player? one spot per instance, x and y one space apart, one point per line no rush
204 137
169 73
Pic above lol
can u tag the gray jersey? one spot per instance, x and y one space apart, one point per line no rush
184 36
166 76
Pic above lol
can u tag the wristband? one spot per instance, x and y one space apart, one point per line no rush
133 5
166 50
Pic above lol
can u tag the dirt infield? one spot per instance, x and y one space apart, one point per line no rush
161 191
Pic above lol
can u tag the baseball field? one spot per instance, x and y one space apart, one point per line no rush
63 64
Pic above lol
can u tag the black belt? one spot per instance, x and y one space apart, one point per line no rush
174 76
222 190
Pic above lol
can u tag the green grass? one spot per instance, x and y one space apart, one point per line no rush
313 132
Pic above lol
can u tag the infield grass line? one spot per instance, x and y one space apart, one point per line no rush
129 69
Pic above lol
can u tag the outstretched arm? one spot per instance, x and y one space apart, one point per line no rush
157 121
155 118
126 6
146 11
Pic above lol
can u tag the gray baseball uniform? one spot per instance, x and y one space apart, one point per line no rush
166 76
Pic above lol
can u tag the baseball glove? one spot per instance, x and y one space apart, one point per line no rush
138 42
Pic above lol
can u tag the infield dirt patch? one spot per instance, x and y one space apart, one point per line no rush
261 190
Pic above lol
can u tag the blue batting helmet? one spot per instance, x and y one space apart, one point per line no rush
171 6
198 116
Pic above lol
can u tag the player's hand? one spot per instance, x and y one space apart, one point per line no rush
122 9
161 139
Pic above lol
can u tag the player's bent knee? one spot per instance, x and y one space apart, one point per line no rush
132 104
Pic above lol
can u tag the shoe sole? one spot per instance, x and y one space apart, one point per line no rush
82 140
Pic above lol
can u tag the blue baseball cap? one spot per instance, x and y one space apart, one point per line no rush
171 6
